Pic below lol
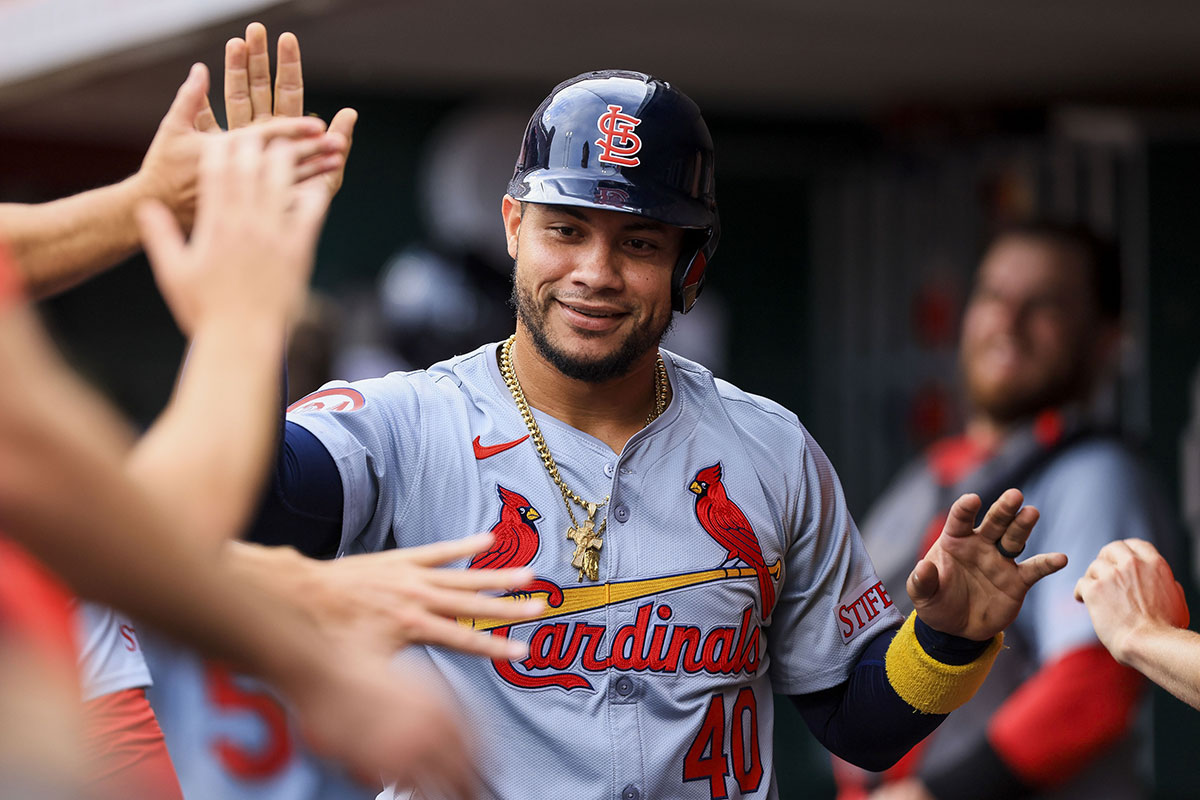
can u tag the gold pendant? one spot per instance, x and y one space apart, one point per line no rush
587 545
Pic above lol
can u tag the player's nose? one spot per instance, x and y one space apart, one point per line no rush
597 266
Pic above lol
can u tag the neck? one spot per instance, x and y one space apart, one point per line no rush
611 411
986 432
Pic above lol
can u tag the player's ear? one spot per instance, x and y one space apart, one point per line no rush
511 210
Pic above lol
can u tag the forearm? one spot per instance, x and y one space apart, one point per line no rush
900 690
195 453
63 242
1170 657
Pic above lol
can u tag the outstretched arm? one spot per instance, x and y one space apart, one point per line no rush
907 681
1141 616
234 287
63 242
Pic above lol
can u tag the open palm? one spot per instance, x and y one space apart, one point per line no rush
964 586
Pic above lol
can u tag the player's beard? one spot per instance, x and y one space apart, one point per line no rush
1007 403
644 337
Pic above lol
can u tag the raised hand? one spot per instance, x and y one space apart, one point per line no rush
169 170
252 247
249 99
964 585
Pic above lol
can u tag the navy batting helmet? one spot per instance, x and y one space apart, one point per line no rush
624 141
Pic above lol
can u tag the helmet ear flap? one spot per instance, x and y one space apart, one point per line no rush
689 280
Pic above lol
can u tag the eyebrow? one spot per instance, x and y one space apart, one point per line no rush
636 223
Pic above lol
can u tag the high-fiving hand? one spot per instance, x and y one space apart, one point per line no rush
251 250
964 585
249 99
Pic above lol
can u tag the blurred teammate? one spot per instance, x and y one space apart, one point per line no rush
691 540
1056 716
232 287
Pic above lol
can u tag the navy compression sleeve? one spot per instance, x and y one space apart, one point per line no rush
863 720
303 502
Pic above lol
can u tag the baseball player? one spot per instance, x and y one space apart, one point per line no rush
691 540
1058 716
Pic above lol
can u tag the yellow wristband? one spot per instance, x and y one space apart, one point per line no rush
927 684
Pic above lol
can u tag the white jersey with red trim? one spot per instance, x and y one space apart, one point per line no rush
229 736
730 569
110 652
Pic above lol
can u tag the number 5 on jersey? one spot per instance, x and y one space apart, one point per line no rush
706 759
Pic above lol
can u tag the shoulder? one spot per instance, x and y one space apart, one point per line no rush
1092 465
397 391
763 426
739 406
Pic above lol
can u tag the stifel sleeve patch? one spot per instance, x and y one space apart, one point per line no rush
860 608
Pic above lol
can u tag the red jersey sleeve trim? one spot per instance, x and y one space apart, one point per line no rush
1065 716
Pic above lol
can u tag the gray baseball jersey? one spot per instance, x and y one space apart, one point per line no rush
730 569
110 652
230 738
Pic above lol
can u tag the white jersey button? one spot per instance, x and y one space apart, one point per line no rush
608 469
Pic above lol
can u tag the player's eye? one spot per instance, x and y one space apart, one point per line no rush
564 231
642 245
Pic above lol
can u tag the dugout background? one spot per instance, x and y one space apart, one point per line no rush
853 203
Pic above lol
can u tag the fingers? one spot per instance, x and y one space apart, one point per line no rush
439 553
923 580
961 519
289 78
1000 516
160 233
190 100
258 71
448 633
1033 569
466 604
343 123
320 165
1143 549
1017 533
206 120
238 109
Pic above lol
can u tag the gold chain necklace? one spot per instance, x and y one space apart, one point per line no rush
587 537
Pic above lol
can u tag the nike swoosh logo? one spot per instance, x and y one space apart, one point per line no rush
483 451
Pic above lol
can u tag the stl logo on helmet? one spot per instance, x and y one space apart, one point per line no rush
619 144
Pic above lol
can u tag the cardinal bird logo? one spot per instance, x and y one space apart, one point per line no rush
726 523
516 538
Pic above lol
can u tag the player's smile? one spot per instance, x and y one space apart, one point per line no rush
593 287
591 318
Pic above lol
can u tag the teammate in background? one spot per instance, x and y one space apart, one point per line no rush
1056 717
115 537
1141 616
690 539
